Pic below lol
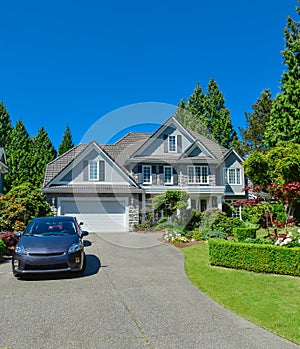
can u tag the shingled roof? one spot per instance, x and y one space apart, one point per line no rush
118 152
55 167
126 146
123 149
216 149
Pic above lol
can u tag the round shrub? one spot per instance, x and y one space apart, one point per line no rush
214 234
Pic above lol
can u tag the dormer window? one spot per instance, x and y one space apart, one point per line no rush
172 144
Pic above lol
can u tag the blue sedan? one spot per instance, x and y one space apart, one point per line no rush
50 245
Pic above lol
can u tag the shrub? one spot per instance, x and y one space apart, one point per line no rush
9 238
259 241
2 248
255 257
197 236
214 234
164 226
163 220
142 226
242 233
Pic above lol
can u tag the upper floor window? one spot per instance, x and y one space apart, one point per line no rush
93 170
147 175
232 176
96 170
198 174
168 174
172 143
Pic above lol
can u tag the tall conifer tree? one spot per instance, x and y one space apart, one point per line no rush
43 152
218 116
66 143
18 153
284 124
207 115
253 134
5 126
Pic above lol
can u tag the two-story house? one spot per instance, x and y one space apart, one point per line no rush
111 187
3 168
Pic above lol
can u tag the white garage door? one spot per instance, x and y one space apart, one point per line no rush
98 215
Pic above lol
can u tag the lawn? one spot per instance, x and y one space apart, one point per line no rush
268 300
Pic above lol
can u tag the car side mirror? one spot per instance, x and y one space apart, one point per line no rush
18 234
83 233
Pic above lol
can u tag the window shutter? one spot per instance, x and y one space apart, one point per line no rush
140 178
85 170
154 178
175 179
179 143
101 170
165 143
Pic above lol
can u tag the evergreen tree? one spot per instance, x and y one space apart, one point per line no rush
66 143
43 152
253 134
18 153
5 126
218 116
284 124
191 114
207 115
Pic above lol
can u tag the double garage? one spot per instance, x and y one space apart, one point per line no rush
107 214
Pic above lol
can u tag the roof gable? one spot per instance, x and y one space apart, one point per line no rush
198 151
71 169
153 146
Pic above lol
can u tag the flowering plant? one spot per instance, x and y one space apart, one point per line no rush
175 237
290 239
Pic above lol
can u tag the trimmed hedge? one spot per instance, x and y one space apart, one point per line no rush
242 233
255 257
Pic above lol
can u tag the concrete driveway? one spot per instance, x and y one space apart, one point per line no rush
135 294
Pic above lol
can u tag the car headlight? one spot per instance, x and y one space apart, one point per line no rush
20 249
74 247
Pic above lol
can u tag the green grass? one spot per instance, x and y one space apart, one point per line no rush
268 300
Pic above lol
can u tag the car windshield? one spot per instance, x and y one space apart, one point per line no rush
51 227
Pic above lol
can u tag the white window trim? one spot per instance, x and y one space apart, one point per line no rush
175 138
150 179
172 175
98 170
194 175
226 176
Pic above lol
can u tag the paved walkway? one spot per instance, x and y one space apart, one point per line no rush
135 294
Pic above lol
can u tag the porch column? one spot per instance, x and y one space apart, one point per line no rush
219 201
143 208
189 202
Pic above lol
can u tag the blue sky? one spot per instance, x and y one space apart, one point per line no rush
105 67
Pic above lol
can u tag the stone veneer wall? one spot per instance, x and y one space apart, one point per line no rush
133 213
